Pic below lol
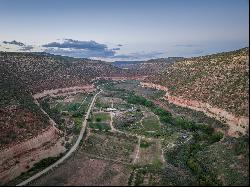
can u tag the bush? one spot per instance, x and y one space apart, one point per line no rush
77 114
73 107
144 144
215 137
98 119
241 145
204 177
44 163
194 165
67 145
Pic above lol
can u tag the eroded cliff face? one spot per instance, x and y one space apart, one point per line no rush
64 91
19 157
22 156
236 123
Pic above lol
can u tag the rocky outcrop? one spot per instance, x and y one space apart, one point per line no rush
236 123
64 91
21 157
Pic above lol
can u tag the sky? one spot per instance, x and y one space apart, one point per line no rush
124 29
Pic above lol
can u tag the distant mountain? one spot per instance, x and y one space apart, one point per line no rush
148 67
125 64
132 64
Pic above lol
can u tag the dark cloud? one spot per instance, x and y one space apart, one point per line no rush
27 48
116 49
119 45
80 49
14 42
76 44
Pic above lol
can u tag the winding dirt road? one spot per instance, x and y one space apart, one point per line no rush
61 160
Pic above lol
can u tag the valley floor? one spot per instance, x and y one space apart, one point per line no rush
130 140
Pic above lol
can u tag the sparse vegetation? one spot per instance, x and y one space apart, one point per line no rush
222 80
144 144
36 168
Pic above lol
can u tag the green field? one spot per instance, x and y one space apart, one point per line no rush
101 117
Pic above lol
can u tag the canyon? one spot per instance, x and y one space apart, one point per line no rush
29 135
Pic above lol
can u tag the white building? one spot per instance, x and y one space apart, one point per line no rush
111 109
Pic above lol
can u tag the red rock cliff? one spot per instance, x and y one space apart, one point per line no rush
19 158
236 123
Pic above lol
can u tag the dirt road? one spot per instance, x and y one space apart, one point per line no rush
61 160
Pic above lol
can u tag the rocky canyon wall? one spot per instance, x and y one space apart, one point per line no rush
21 157
236 123
64 91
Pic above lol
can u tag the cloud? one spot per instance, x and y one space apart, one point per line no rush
80 49
76 44
27 48
119 45
116 49
14 42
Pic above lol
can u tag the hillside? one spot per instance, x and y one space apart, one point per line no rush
23 74
20 117
221 80
41 71
27 135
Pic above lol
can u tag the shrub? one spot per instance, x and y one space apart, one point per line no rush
77 114
98 119
215 137
241 145
144 144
